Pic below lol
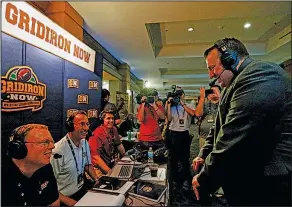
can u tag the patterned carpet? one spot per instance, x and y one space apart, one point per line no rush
178 197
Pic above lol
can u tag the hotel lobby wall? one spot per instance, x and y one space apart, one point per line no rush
114 86
54 72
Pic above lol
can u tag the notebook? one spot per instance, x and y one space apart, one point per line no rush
147 190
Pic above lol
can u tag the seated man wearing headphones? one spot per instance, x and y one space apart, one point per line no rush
105 143
69 169
27 176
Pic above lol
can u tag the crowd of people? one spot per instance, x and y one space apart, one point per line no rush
244 131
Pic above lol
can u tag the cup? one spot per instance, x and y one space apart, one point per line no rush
153 169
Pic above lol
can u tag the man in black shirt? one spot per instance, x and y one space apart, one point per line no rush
27 175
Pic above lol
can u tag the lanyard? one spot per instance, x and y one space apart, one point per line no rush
178 113
70 145
110 141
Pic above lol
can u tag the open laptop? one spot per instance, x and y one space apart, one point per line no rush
121 171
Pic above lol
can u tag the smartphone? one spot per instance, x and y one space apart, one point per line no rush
208 92
150 99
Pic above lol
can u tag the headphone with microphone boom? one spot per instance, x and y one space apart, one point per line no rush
229 58
102 115
16 146
69 124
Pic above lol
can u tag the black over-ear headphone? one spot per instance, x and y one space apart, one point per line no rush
69 124
229 58
102 115
16 146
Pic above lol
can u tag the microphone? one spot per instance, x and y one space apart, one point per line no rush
89 133
57 156
212 83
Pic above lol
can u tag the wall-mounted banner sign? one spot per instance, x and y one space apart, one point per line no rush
93 85
71 111
21 90
73 83
82 99
92 113
24 22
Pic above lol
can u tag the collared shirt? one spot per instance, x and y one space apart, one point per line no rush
102 137
177 113
18 190
65 169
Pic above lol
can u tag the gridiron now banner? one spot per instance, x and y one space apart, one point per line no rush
24 22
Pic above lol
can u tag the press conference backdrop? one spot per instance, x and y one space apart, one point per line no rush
54 72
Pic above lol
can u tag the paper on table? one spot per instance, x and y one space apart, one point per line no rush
100 199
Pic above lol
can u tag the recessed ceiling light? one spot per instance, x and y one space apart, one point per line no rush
190 29
147 84
247 25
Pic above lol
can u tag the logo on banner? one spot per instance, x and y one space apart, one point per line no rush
73 83
92 113
71 111
21 90
82 99
93 85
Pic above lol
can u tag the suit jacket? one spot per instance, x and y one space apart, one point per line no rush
251 136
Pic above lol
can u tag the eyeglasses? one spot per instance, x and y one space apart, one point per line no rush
44 143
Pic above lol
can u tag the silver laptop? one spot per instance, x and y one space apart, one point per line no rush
121 171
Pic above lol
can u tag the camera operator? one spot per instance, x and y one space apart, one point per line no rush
178 139
148 115
209 113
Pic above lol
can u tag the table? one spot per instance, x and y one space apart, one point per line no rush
94 198
160 179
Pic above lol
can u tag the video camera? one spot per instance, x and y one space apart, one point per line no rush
150 99
149 93
208 92
175 95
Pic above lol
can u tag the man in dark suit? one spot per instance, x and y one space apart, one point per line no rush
248 149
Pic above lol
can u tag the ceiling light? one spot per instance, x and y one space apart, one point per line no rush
247 25
147 84
190 29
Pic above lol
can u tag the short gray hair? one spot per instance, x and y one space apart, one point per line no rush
22 131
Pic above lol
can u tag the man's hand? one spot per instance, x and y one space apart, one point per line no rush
96 182
195 185
143 100
155 107
71 202
215 96
202 93
169 100
197 162
182 102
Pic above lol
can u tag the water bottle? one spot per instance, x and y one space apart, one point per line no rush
129 135
150 155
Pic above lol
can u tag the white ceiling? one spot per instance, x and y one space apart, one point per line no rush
120 27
